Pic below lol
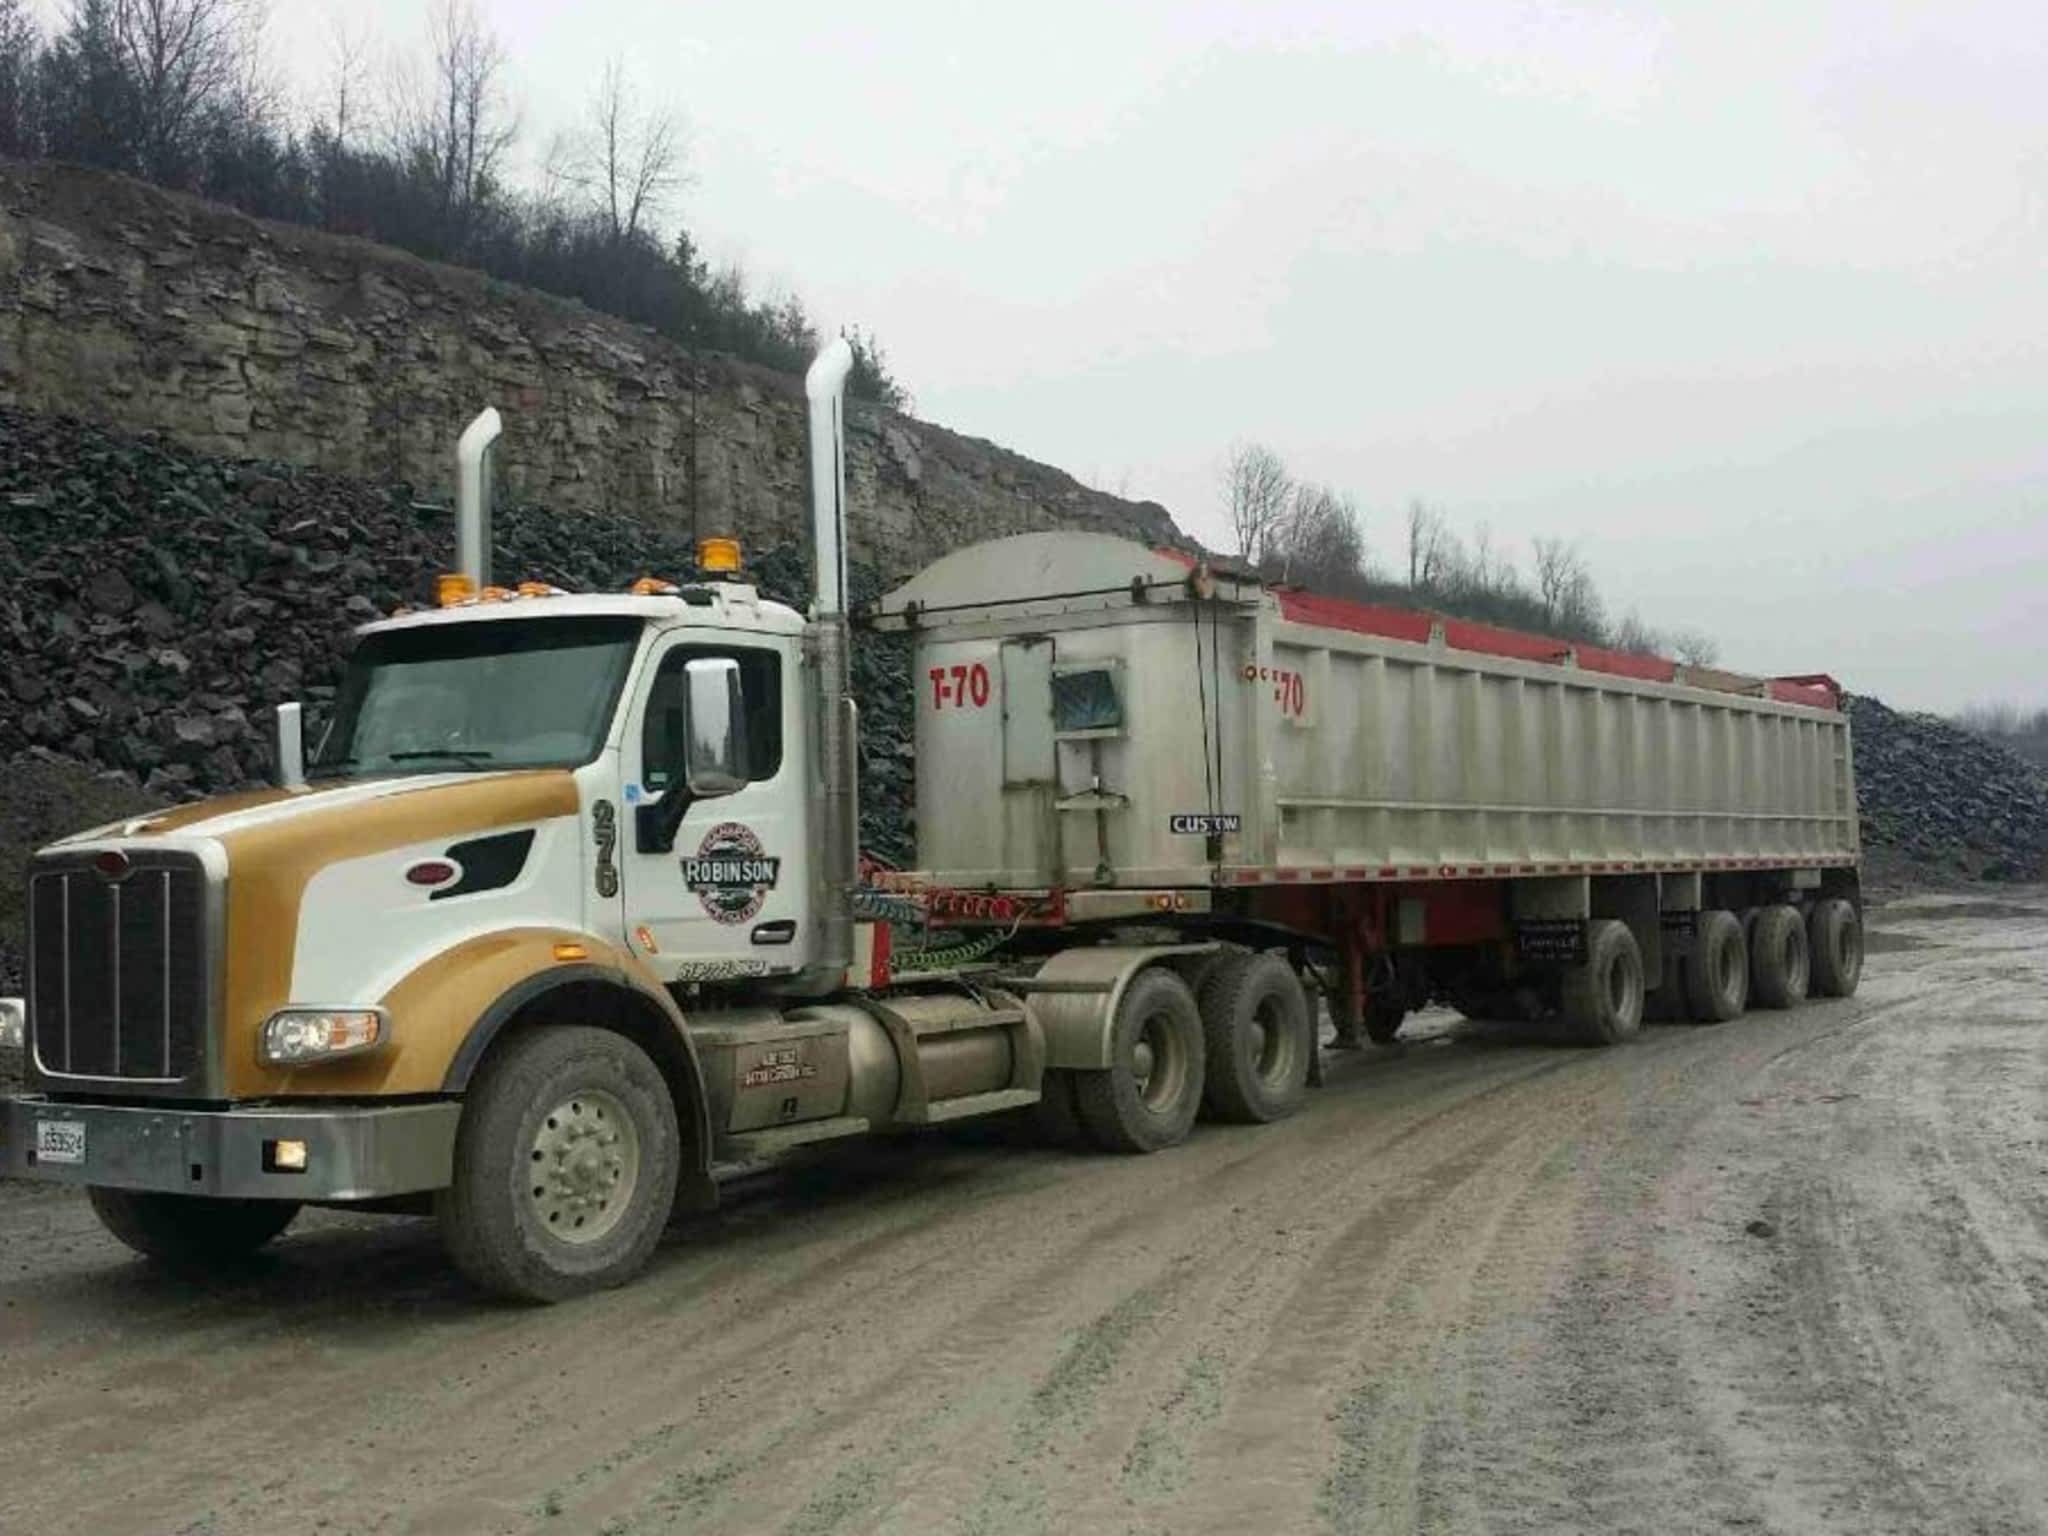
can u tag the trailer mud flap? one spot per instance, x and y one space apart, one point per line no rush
1551 940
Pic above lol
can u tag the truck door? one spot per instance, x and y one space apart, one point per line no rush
729 899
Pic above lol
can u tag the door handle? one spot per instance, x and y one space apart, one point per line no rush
782 931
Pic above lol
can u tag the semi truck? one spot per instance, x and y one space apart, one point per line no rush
563 921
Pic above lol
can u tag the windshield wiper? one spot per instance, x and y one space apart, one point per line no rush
460 754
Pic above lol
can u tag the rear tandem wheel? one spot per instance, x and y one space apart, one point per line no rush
1147 1098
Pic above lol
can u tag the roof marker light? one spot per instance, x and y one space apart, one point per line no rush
453 587
718 556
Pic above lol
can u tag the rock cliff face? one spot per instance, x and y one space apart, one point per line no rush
149 312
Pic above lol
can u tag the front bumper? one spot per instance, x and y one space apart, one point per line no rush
353 1152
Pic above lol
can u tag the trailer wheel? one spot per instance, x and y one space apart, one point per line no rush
1603 999
1779 961
1717 972
190 1231
1383 1021
1255 1023
1148 1097
1056 1115
1834 935
565 1165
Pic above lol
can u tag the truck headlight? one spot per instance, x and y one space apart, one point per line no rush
296 1037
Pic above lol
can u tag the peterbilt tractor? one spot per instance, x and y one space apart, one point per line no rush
562 922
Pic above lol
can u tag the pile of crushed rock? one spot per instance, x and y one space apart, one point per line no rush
1942 802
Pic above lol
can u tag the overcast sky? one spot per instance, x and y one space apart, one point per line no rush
1749 299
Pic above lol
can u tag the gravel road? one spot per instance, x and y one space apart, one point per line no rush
1788 1274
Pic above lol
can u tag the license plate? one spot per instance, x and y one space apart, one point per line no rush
60 1141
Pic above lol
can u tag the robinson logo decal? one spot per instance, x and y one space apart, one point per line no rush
730 873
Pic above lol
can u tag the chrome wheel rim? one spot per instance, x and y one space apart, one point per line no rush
582 1167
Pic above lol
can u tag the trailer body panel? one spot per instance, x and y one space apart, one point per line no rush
1243 736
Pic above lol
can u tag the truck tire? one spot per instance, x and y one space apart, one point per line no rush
1255 1025
565 1165
1778 957
1603 999
1717 971
190 1231
1055 1114
1148 1097
1834 939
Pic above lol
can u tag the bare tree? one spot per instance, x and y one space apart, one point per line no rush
1432 547
1632 634
1258 494
1564 586
1488 570
629 164
455 128
1694 647
348 55
182 58
1321 542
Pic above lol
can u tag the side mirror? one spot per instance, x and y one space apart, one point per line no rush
289 751
715 754
713 751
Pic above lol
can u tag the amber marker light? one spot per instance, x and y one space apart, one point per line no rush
452 587
718 556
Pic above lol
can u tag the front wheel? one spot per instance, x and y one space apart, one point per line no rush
190 1231
1148 1097
565 1165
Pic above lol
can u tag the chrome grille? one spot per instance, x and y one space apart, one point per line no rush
118 968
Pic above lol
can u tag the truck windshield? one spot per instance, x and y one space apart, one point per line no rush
502 693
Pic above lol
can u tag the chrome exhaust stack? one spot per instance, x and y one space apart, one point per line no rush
473 498
838 725
288 751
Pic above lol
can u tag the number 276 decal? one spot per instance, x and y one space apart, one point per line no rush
960 687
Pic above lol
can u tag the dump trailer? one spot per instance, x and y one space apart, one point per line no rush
562 921
1411 807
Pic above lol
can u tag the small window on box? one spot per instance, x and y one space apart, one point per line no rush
1086 703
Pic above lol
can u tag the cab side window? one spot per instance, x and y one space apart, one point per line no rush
661 733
